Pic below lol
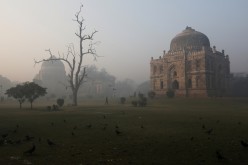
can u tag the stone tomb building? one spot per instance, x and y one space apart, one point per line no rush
191 67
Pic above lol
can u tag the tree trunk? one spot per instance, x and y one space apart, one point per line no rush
20 105
31 105
74 97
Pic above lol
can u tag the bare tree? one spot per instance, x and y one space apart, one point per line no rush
74 60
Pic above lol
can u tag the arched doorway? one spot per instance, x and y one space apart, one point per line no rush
175 84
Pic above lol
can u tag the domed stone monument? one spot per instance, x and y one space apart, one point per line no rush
191 67
52 75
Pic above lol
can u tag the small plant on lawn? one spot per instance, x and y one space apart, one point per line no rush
60 102
134 103
170 93
151 94
123 100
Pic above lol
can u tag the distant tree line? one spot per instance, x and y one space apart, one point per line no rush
239 87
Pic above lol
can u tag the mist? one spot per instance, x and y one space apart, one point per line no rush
130 33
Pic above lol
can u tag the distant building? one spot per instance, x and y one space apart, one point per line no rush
191 67
239 84
5 84
52 76
97 84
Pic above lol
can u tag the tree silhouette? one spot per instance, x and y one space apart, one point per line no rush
60 102
17 93
77 73
33 91
27 90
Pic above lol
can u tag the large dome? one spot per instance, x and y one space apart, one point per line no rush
190 39
52 64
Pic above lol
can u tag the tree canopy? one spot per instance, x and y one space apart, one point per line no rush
33 91
18 93
28 90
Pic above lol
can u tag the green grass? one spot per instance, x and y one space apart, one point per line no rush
167 131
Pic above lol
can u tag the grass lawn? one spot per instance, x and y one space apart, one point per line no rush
167 131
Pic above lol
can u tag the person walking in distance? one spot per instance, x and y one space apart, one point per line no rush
106 101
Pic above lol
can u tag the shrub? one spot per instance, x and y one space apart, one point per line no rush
49 108
122 100
170 93
135 103
60 102
142 102
151 94
55 107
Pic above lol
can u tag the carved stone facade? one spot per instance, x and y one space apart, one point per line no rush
191 67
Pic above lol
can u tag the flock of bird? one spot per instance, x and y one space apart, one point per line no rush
219 154
6 140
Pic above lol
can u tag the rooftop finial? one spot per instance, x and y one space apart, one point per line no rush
188 28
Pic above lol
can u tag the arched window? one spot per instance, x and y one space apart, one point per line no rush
161 69
189 65
189 83
197 65
197 81
219 68
207 82
210 82
154 69
161 84
208 65
212 65
175 85
213 82
174 74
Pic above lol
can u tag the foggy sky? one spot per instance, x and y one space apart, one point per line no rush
130 32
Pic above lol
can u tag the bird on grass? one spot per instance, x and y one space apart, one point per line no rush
89 126
30 151
104 116
18 141
5 135
219 155
75 127
9 141
50 143
142 126
15 130
118 132
75 154
2 142
72 133
28 138
203 126
243 143
209 131
105 126
52 123
64 121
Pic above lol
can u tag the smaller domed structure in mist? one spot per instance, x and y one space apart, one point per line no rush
52 75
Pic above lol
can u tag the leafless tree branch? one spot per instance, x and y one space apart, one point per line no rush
77 74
